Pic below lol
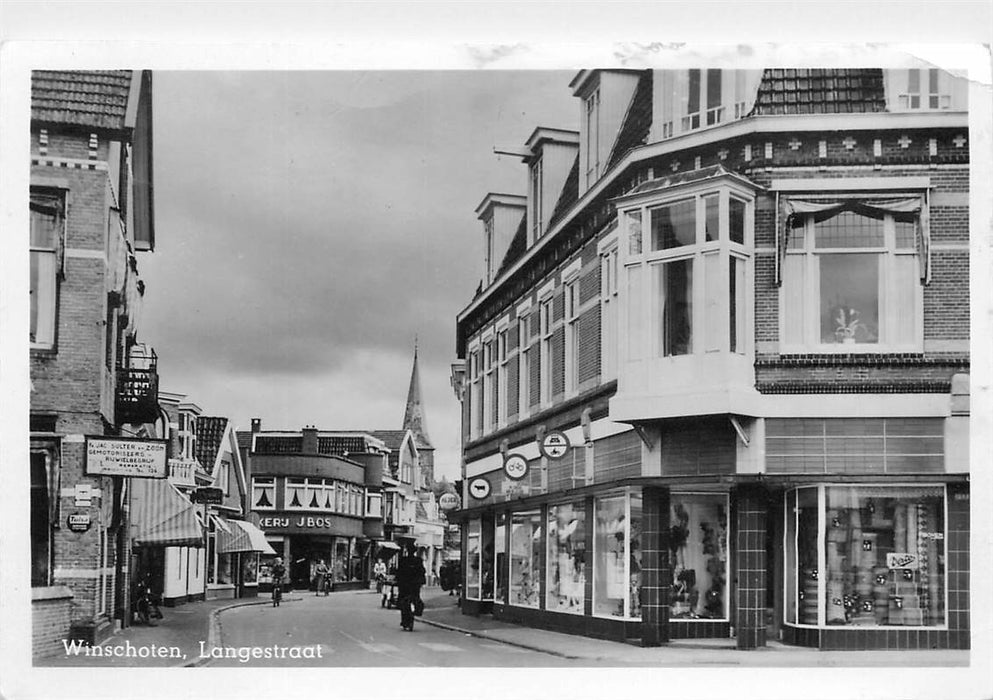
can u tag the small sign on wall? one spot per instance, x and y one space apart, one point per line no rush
479 488
78 522
902 560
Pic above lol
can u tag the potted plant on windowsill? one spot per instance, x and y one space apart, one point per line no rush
847 323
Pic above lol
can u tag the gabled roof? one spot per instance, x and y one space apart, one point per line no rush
210 433
96 98
393 439
820 91
637 120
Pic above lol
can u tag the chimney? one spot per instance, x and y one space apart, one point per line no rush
309 440
501 215
256 425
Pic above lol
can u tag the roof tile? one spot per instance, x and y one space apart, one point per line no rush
83 98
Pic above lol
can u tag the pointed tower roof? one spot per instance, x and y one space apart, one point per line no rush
413 416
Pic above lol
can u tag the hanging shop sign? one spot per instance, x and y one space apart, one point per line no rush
555 445
133 457
448 501
208 494
515 466
479 488
78 522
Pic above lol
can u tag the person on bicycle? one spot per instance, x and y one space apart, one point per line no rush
410 577
278 572
379 573
323 574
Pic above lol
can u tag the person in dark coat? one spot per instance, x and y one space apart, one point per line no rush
409 577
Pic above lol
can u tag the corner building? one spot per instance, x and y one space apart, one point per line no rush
743 296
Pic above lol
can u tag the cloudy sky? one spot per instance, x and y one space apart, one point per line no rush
310 225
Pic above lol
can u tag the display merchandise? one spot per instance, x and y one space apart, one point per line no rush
884 558
472 577
526 541
566 587
617 556
698 553
500 557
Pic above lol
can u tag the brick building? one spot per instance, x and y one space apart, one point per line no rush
91 212
715 381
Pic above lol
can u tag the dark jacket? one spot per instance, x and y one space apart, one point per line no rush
278 571
410 574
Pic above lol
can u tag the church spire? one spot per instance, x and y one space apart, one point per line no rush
413 416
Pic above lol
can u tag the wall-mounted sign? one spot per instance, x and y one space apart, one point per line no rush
555 445
83 493
479 488
78 522
208 494
902 560
303 522
515 466
448 501
134 457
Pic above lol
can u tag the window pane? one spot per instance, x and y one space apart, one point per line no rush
736 221
713 326
46 219
736 301
676 299
634 233
906 235
526 541
42 296
849 292
472 561
914 80
566 587
487 553
885 556
674 225
693 105
610 533
712 221
790 551
634 546
500 549
40 526
636 328
713 87
849 230
698 544
806 556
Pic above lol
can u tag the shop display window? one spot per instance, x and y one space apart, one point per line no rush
500 552
339 564
698 544
486 553
526 541
472 576
617 556
566 587
868 556
249 567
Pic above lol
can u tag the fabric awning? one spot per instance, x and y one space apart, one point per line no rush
242 537
388 545
221 524
161 516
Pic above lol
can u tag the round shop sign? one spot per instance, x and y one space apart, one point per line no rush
515 466
479 488
448 501
555 444
78 522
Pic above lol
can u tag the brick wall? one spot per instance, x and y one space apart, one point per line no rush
50 618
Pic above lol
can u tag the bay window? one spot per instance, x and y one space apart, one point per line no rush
850 274
865 556
688 264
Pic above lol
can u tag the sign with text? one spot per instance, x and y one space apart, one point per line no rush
555 445
78 522
133 457
479 488
515 466
448 501
902 560
208 494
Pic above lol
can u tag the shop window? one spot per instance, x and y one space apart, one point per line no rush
850 277
486 560
526 541
617 556
41 520
870 556
249 567
472 577
698 543
48 221
566 582
500 557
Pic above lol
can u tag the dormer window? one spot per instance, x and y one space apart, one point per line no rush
923 91
703 99
592 141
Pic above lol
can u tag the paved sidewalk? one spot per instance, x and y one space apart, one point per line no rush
441 610
171 641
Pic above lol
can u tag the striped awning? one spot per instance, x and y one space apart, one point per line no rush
161 516
243 536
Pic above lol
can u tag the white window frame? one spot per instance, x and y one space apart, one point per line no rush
591 110
811 333
489 379
638 220
526 357
503 357
260 483
292 482
935 97
545 352
46 258
706 115
609 311
537 181
571 320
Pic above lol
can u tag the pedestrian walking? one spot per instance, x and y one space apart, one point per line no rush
410 577
278 571
379 573
323 585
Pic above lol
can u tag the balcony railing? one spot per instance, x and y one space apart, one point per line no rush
138 388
